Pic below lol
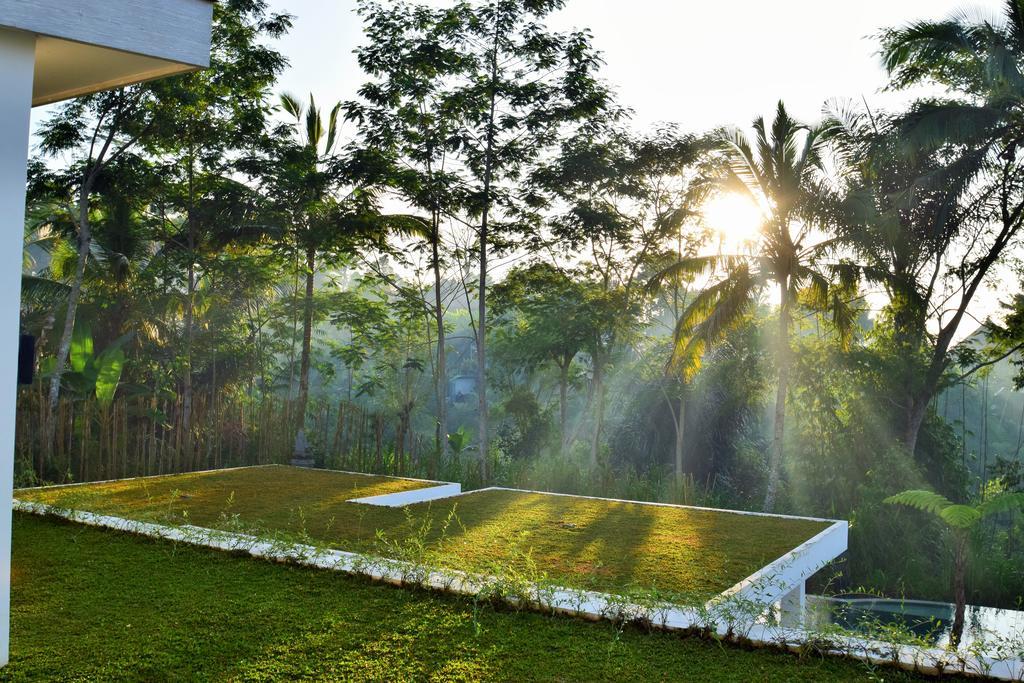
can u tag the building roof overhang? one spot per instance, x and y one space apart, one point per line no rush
83 46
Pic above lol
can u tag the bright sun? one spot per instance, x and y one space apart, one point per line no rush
734 218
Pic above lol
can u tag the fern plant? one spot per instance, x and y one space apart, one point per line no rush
961 519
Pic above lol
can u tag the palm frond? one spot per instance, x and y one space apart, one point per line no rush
314 124
290 103
689 268
926 501
743 173
332 128
960 516
1004 502
711 314
407 225
918 51
930 125
1015 24
43 292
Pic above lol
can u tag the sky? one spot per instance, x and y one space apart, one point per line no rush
701 64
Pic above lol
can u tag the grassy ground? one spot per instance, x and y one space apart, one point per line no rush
94 605
575 541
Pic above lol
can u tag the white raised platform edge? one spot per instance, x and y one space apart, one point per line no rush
410 497
714 616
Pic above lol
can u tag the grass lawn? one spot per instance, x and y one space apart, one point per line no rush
578 542
91 605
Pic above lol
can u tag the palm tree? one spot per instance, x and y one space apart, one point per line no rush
961 520
331 208
781 173
312 213
976 131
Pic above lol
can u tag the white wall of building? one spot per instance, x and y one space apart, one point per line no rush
17 57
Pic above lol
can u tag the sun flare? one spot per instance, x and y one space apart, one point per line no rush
735 219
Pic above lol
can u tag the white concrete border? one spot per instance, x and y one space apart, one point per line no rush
774 581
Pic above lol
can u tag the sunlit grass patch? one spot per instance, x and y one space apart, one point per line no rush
260 491
93 605
576 542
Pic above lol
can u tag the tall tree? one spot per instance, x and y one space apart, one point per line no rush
203 122
544 310
524 86
628 200
976 131
407 117
780 172
961 519
98 130
306 184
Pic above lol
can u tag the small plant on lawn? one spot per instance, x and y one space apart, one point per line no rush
518 582
414 556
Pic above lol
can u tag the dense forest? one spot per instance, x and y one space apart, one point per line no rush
480 270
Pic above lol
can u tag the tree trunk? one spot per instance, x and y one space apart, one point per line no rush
563 403
295 329
680 435
186 393
378 462
399 464
917 408
959 589
307 342
481 349
775 454
441 380
595 442
186 388
64 349
481 366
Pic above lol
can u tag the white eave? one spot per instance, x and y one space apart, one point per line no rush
83 46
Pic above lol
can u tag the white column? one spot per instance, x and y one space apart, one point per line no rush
791 607
17 67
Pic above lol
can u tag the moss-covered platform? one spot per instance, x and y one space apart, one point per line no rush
577 542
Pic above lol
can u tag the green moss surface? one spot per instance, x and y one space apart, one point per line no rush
93 605
579 542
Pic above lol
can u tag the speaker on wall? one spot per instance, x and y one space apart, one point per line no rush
26 358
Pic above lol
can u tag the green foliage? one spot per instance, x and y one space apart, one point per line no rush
957 516
93 374
458 441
